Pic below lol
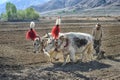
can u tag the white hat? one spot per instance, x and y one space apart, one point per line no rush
58 21
32 24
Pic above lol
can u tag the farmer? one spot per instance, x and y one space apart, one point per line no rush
97 34
55 32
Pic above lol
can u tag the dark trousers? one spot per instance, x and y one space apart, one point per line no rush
97 44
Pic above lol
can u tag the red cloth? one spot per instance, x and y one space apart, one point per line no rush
31 34
55 31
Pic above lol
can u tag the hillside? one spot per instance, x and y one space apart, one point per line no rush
68 7
73 4
111 10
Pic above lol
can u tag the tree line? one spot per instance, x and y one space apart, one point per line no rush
12 14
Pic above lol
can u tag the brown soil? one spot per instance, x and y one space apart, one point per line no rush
18 62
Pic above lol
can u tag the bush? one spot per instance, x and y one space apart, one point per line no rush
12 14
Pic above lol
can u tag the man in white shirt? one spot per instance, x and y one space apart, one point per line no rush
97 34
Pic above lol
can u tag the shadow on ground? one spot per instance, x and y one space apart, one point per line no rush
84 67
70 71
114 57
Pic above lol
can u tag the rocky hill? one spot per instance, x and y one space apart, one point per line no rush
74 4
